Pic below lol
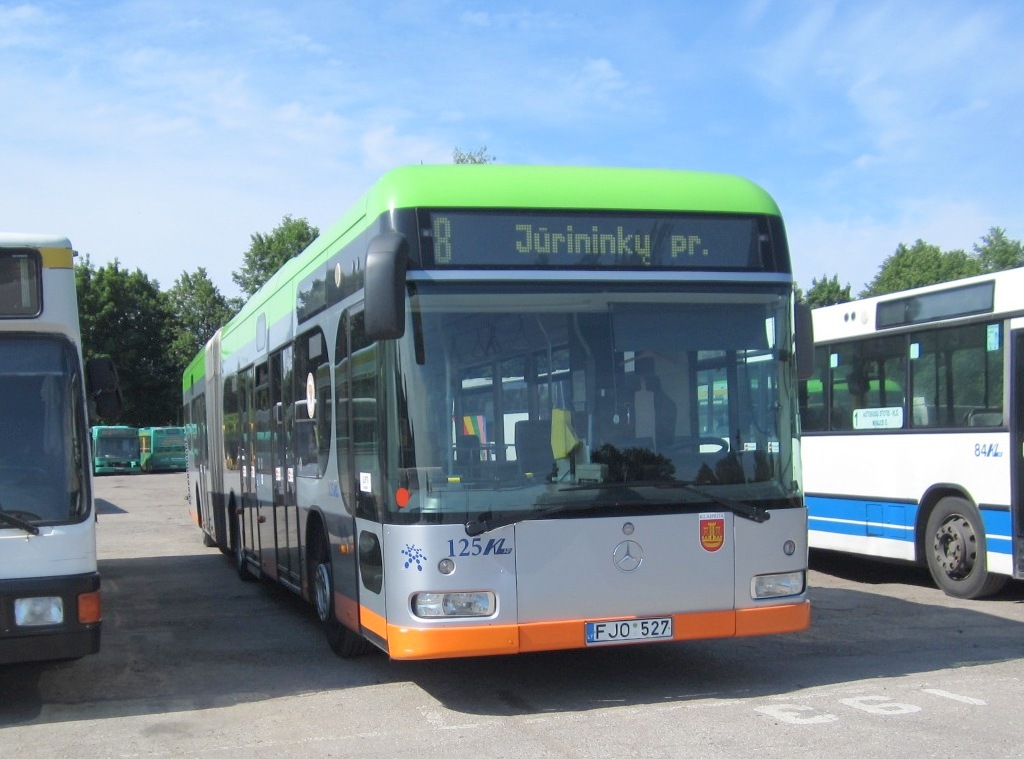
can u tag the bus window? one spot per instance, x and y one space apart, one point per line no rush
312 405
866 387
957 376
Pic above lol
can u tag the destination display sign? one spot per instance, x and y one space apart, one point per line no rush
597 241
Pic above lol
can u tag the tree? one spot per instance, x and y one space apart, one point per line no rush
124 315
199 310
997 252
270 252
826 292
919 265
472 156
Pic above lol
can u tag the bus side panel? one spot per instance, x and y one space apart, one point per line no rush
857 521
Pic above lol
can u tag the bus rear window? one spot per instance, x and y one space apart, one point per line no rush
19 283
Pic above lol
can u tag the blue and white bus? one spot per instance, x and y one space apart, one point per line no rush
913 423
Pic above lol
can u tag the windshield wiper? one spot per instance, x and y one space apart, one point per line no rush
21 524
487 522
743 509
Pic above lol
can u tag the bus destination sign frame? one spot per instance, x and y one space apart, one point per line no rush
616 240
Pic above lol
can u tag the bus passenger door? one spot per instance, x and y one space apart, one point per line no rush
360 583
1017 445
286 513
204 508
265 462
248 535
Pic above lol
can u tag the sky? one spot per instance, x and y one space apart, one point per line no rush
163 135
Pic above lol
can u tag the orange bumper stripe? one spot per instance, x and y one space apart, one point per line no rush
488 640
774 619
373 622
449 642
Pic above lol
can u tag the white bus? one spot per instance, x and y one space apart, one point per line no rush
49 586
913 428
473 416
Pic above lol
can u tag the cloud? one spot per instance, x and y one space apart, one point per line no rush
384 148
23 26
909 83
854 247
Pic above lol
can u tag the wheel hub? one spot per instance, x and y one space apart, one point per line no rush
954 547
322 591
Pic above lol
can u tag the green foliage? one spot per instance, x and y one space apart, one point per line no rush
199 310
269 252
472 156
125 316
923 264
919 265
826 292
997 252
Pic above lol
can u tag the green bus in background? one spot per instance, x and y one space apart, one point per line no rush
162 449
115 449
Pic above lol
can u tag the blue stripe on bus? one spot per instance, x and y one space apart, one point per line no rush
893 520
997 530
874 518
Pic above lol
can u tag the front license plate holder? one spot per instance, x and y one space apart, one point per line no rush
610 631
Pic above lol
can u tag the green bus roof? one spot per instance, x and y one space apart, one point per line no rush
447 186
195 371
564 187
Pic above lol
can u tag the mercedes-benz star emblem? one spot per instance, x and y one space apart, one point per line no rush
627 556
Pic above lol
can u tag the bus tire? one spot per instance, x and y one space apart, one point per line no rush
955 550
342 641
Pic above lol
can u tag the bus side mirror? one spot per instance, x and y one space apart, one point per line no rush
804 325
387 258
103 388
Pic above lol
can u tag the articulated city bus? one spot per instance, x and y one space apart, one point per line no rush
49 584
475 415
162 449
913 430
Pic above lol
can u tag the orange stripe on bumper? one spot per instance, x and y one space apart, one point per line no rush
489 640
449 642
373 622
774 619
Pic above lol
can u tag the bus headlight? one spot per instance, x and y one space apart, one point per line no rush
469 604
37 612
777 586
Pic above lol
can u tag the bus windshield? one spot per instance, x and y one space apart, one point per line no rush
548 399
115 443
41 432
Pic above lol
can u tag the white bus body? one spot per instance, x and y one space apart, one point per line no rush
912 430
49 584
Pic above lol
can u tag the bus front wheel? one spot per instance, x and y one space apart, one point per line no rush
342 641
955 550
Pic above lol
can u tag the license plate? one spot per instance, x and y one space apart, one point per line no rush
626 630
